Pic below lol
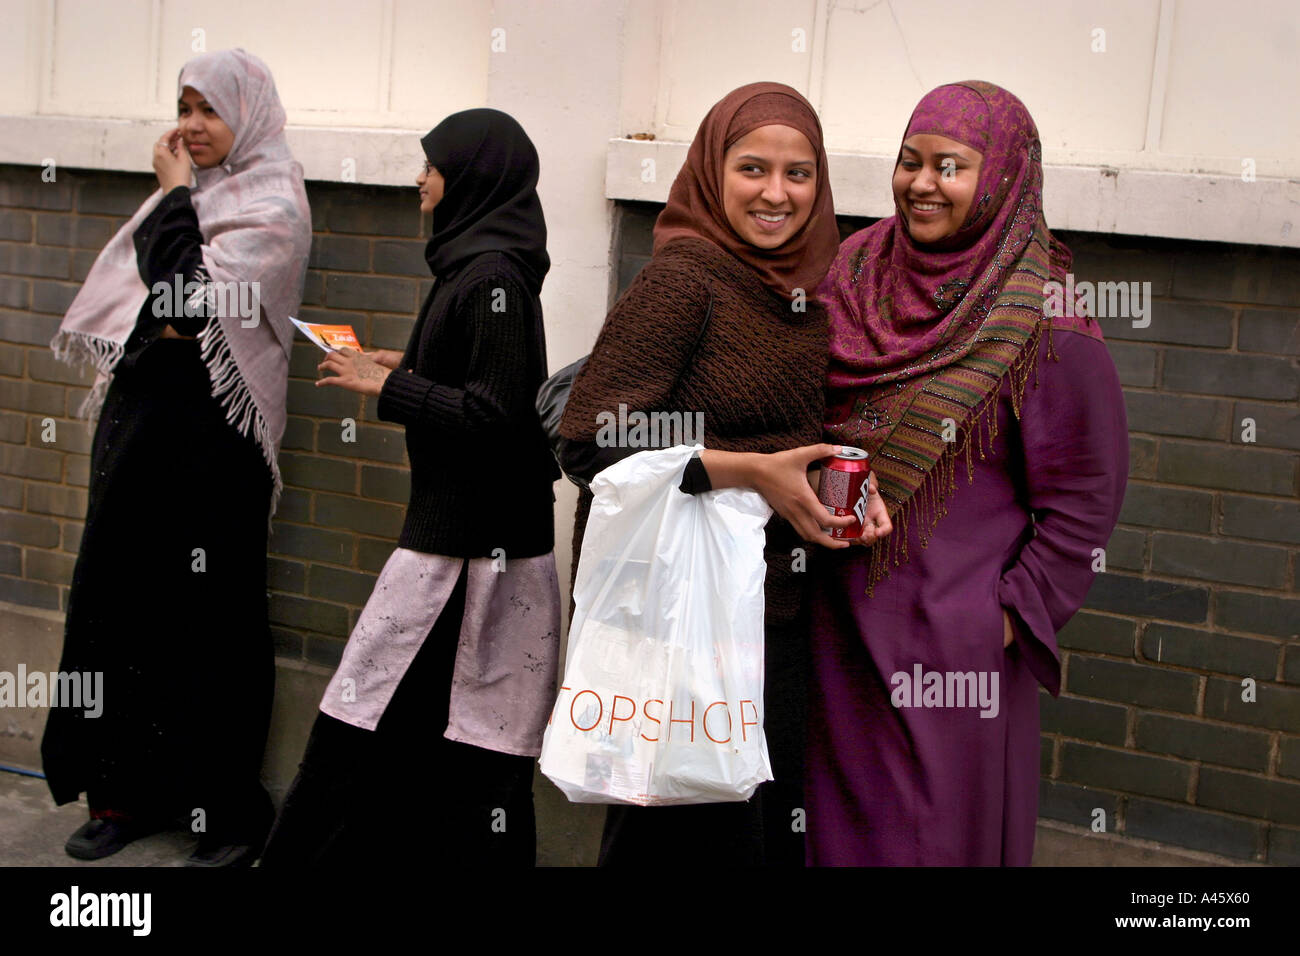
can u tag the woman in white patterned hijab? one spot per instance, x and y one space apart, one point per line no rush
256 225
185 318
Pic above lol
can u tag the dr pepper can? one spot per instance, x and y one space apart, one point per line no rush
843 488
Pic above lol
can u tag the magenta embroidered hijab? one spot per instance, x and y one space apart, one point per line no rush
921 334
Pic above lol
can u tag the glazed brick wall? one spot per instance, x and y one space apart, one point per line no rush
1200 587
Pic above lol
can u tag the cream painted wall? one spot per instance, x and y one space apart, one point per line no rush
1150 111
1187 88
1173 85
87 83
571 116
369 63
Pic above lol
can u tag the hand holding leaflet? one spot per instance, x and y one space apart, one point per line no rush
328 337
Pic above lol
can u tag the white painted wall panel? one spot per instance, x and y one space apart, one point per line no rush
20 75
1234 84
712 47
440 58
97 59
1183 88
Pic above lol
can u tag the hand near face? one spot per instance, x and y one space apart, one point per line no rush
348 368
171 161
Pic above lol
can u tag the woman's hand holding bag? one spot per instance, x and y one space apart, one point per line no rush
662 698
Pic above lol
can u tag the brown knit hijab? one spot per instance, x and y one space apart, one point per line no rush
695 208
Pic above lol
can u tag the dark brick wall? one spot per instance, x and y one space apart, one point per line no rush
343 502
1200 588
1199 600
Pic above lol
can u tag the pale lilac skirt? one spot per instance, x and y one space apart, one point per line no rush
504 680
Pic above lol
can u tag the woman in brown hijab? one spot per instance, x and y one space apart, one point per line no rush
721 323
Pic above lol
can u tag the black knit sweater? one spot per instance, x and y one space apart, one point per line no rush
481 470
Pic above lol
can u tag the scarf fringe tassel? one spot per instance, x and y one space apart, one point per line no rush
929 502
79 348
228 387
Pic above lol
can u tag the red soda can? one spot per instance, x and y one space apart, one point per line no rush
843 488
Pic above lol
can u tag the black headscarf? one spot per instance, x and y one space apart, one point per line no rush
489 202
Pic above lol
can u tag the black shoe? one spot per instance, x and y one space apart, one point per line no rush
231 854
104 836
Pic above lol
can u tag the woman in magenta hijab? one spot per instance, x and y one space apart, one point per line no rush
996 429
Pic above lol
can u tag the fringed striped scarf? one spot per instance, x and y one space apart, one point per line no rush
922 337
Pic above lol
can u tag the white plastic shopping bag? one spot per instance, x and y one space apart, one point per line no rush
662 698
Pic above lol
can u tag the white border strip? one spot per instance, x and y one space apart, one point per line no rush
1084 198
1177 205
383 157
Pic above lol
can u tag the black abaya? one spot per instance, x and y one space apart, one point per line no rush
168 598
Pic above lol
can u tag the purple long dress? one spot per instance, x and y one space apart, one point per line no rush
958 785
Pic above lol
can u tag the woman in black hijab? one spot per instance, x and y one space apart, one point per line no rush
433 721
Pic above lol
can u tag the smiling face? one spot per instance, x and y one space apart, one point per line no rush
934 185
206 136
769 182
431 186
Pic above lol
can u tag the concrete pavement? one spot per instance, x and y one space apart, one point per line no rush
33 830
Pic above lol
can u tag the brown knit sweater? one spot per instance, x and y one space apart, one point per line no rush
757 376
